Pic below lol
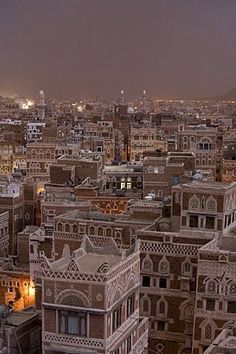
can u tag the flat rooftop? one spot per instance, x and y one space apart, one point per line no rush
209 185
76 214
17 318
123 168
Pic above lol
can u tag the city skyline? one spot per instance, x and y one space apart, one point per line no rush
172 49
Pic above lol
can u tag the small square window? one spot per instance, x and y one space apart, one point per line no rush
162 283
231 307
146 281
210 305
193 221
210 222
161 326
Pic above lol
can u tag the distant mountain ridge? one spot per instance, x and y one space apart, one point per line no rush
229 95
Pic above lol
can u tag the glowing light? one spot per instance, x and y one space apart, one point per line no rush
24 106
80 108
31 290
30 103
27 104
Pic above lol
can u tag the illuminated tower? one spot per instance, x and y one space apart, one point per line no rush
41 105
122 98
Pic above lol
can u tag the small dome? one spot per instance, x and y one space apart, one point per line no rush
41 92
130 110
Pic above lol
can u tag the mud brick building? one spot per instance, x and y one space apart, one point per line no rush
4 233
229 156
12 201
90 301
160 173
144 139
202 142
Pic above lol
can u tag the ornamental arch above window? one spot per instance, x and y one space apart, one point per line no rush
162 307
194 203
75 229
186 267
211 204
211 287
164 266
232 289
208 333
145 304
91 230
147 263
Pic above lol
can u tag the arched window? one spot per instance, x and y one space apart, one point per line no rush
232 289
164 265
205 143
147 263
75 229
162 308
208 332
133 239
100 231
48 154
91 230
208 328
33 154
145 305
186 311
132 231
67 228
203 203
211 287
115 206
150 169
108 232
186 267
194 203
211 205
59 226
189 312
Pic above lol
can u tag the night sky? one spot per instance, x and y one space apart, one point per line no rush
80 48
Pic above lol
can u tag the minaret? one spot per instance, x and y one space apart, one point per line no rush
122 98
41 105
144 100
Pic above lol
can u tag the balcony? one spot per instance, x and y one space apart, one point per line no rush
54 340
